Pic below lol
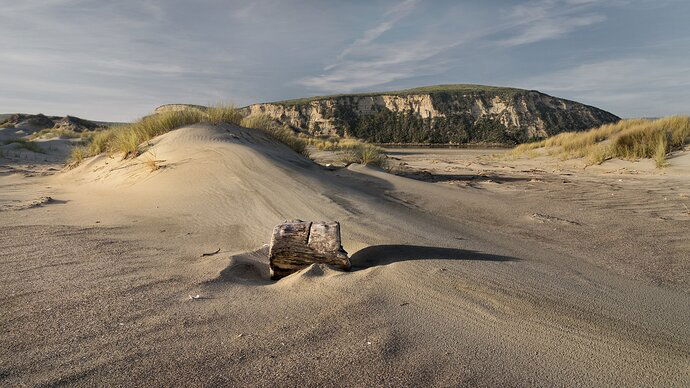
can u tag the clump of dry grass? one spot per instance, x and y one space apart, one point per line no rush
329 144
127 139
153 163
223 113
356 151
280 133
626 139
57 132
363 153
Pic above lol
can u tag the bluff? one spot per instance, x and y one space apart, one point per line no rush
437 114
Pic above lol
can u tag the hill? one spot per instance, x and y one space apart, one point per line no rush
19 125
457 113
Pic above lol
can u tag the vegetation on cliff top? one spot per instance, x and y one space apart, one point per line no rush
626 139
450 88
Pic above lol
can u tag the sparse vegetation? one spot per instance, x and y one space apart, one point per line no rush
152 162
53 132
78 154
356 151
222 114
127 139
627 139
366 154
26 144
281 133
449 88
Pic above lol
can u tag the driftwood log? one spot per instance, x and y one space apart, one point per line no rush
298 244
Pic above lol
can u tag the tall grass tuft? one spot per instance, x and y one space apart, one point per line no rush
355 151
127 139
281 133
223 113
626 139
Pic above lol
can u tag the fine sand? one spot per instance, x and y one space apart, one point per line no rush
469 269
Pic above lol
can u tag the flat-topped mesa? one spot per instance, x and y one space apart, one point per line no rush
297 244
437 114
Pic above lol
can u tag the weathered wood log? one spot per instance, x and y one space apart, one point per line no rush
298 244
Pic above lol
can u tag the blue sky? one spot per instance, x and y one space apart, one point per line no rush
117 60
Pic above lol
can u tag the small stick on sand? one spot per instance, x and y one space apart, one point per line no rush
210 254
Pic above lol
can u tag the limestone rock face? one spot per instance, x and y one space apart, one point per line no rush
297 244
439 114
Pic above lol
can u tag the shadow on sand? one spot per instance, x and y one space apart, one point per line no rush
429 177
386 254
251 268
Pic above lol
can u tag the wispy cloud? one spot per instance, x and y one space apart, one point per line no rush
392 16
641 86
539 20
366 62
550 28
117 60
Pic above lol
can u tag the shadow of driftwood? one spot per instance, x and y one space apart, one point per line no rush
248 268
385 254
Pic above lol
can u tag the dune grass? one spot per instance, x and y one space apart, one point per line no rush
366 154
128 139
152 162
626 139
281 133
26 144
48 133
355 151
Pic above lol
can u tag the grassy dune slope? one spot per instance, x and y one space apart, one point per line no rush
128 139
626 139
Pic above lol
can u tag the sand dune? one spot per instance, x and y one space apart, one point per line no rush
451 284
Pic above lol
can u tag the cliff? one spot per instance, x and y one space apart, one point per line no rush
437 114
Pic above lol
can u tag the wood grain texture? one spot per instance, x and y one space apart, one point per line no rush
298 244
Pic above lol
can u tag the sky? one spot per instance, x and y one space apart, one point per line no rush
118 60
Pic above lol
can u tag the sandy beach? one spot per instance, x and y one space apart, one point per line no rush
469 268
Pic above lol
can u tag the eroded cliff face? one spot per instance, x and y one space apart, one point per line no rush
512 116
